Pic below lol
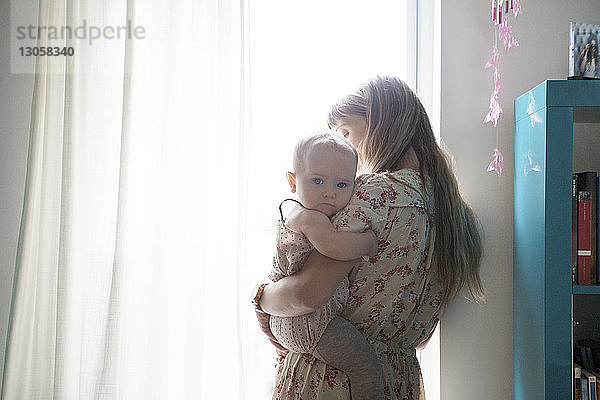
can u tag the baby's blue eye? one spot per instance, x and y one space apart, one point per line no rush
342 185
317 181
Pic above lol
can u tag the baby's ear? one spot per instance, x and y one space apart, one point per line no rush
291 178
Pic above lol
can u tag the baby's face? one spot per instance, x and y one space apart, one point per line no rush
327 180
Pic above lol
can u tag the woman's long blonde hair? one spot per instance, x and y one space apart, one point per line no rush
396 120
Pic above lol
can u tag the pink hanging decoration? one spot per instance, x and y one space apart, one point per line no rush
497 86
494 60
516 7
495 110
497 163
500 13
505 34
494 63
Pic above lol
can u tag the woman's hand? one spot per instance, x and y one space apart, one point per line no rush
263 322
307 289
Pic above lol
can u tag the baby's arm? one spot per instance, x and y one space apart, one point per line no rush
339 245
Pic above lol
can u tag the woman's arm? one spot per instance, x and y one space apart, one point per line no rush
306 290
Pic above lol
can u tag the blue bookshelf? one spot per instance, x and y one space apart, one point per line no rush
579 289
542 283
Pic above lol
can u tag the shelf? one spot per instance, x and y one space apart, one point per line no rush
586 289
556 133
586 115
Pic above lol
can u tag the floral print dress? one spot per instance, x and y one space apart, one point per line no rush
394 297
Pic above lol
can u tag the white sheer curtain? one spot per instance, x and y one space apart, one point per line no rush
132 241
150 204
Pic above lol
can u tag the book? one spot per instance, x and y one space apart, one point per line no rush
597 226
584 52
587 192
591 384
576 382
584 238
574 228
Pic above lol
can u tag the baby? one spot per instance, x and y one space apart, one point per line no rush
323 179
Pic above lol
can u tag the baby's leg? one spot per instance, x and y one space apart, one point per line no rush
345 348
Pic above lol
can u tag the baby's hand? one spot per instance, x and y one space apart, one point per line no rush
296 217
375 244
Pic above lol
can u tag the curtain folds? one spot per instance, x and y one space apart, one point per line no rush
132 242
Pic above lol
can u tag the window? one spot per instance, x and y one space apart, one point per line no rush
303 57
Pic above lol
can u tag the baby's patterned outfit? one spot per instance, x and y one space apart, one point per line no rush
302 333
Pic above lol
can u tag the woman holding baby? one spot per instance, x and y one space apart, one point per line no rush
429 247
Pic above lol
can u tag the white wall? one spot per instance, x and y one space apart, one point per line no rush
476 341
15 108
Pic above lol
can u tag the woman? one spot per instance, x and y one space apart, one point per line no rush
429 247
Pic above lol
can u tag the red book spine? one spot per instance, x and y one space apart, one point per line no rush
584 239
